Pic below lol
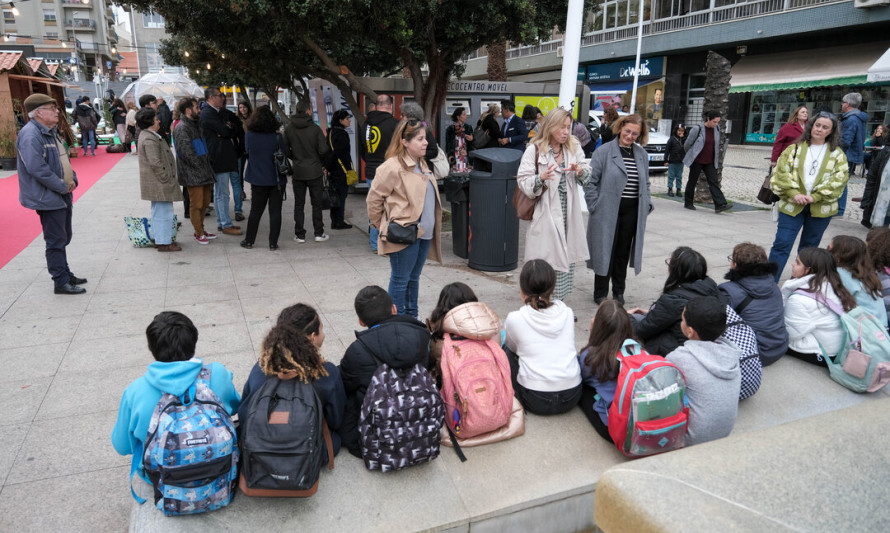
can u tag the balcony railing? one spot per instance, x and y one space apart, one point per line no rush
535 49
81 24
75 3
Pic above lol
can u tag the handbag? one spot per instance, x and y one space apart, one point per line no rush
282 163
139 231
524 205
329 197
351 175
440 164
399 234
766 194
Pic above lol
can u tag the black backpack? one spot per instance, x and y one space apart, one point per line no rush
283 439
400 419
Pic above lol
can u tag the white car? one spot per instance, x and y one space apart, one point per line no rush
656 147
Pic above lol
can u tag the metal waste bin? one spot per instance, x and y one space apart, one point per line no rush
494 227
457 191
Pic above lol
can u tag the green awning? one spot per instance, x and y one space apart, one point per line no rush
840 65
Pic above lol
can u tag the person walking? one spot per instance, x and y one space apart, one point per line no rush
157 179
307 146
218 126
404 194
619 202
702 147
810 177
675 155
339 162
46 183
193 166
261 141
551 169
376 137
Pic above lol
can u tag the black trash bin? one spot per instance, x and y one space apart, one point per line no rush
457 191
494 227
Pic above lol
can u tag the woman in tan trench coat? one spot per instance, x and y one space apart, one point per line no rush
157 179
551 168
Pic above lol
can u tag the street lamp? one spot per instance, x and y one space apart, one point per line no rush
74 52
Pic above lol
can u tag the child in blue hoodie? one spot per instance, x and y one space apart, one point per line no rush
171 339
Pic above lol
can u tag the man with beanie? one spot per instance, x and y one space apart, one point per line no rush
46 182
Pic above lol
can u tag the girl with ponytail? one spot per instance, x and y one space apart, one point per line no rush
291 350
540 344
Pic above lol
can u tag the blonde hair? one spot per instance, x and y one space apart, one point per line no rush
492 110
632 119
553 121
407 130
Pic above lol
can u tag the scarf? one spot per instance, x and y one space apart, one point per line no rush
460 149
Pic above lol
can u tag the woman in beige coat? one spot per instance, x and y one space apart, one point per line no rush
404 193
551 168
157 179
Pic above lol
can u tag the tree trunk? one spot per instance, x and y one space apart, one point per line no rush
717 85
497 61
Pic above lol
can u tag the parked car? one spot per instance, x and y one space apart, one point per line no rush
656 147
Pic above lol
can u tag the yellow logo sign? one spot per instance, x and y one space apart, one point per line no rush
372 138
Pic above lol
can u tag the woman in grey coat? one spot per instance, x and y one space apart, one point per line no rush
157 179
619 202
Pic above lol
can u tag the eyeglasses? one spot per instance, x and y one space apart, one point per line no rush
731 258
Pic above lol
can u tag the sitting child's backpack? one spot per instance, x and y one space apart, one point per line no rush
191 453
283 440
116 149
649 412
740 334
863 362
400 418
476 386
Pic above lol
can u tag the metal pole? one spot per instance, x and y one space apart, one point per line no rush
633 97
571 50
76 56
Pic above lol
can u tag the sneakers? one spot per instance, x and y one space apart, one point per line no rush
232 230
321 238
202 239
209 236
300 240
689 206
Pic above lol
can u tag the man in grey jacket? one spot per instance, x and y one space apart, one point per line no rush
703 154
46 182
307 146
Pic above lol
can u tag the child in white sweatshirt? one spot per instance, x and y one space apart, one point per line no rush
540 344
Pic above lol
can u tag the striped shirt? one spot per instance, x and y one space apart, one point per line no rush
632 189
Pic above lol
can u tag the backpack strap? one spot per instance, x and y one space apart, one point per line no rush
324 426
455 445
628 348
819 297
744 303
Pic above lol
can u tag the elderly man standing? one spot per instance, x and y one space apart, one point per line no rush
852 138
219 126
46 182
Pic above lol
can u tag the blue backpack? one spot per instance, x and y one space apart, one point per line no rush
191 453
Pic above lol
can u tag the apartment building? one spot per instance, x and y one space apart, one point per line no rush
784 53
77 34
147 30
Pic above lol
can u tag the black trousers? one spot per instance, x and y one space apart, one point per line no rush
314 186
812 358
541 403
338 214
57 234
586 404
259 196
622 245
711 175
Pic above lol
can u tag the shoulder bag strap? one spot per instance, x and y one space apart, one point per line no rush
743 304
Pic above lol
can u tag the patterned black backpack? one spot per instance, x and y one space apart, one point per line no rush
400 419
741 334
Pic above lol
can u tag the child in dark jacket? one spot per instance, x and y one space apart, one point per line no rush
610 327
291 351
675 155
397 340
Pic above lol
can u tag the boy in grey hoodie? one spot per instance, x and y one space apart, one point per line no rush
711 367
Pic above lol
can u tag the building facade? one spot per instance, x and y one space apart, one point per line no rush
784 53
147 30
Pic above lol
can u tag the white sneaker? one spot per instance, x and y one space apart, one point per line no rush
321 238
299 240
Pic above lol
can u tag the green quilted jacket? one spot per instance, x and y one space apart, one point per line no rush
788 181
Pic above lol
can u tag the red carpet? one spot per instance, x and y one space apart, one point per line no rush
20 226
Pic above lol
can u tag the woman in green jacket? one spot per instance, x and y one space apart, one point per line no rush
810 176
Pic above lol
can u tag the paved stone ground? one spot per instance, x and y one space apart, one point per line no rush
66 360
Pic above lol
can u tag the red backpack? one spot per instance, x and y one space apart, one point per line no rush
476 386
649 412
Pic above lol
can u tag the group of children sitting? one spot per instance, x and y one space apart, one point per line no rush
535 352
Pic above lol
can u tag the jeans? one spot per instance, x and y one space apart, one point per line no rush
260 194
711 174
57 235
88 139
786 233
675 176
315 187
842 201
221 197
373 233
404 278
162 222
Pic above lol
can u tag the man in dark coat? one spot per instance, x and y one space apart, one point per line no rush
307 146
376 137
87 118
166 118
219 126
397 340
514 133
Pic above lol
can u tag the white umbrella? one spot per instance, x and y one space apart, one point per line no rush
171 87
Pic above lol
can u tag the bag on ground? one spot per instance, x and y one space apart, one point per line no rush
139 231
400 419
116 148
863 362
191 453
649 413
742 336
476 386
283 440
